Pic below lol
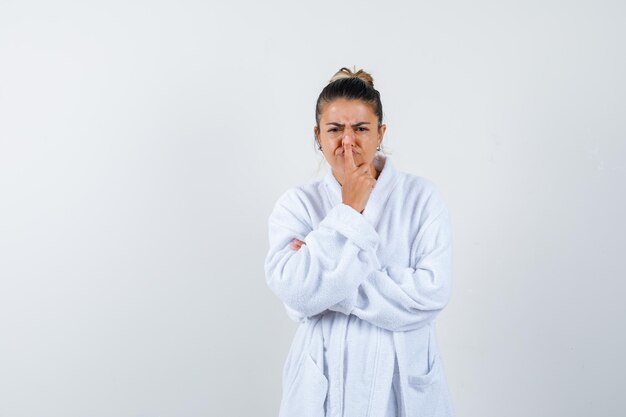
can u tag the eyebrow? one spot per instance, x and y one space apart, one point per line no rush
342 125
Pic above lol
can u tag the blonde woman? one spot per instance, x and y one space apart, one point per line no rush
362 259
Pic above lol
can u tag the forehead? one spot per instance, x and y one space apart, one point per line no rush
349 111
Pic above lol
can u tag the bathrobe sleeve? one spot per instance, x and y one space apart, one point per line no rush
294 314
337 257
402 298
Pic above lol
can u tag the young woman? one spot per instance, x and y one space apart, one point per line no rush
362 259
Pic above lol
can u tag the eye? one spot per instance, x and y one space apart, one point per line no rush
362 129
332 129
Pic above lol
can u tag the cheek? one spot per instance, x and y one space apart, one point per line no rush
337 163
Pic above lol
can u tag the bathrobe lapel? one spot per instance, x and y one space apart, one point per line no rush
387 180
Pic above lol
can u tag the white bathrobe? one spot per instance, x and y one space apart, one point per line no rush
366 289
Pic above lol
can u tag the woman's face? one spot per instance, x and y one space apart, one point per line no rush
350 122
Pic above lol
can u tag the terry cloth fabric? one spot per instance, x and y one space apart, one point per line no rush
365 290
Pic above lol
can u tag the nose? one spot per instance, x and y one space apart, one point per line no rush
348 139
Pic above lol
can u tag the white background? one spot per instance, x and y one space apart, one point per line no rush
143 145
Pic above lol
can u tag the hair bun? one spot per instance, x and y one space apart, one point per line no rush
347 73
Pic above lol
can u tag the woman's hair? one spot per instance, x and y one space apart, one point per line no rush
350 85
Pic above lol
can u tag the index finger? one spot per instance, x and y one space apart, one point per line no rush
348 158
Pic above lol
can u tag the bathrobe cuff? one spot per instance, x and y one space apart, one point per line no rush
346 305
350 223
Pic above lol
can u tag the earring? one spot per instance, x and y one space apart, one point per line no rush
378 149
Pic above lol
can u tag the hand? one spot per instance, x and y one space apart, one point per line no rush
296 244
357 183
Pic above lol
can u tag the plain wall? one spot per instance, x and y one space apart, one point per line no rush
143 145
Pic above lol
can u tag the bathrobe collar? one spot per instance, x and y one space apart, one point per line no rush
387 180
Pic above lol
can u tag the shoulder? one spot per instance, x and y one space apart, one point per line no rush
425 195
300 200
301 195
428 210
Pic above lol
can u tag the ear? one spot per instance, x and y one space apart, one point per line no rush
381 131
316 132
